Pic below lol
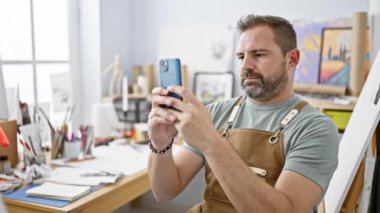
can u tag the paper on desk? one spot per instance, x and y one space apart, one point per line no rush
124 158
59 191
75 176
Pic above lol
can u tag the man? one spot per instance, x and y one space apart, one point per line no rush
272 153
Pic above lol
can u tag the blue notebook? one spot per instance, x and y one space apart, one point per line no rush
21 196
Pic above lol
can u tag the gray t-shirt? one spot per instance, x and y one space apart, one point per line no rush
311 139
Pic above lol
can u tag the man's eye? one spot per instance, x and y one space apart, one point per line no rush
259 54
240 58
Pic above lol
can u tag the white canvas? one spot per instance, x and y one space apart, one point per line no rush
356 139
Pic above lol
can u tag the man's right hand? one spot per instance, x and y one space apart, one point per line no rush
160 122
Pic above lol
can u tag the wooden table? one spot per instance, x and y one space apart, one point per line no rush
105 199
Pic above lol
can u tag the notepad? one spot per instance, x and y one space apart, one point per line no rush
59 191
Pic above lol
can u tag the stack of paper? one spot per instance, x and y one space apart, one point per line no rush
125 158
59 191
84 177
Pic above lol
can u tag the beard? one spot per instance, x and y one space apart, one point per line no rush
264 89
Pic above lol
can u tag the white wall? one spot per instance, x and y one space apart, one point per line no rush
116 35
374 17
75 61
103 29
89 46
150 15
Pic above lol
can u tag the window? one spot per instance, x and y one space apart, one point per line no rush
34 44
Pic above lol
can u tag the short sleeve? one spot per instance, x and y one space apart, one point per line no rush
315 153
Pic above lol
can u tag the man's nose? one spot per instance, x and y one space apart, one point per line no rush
248 63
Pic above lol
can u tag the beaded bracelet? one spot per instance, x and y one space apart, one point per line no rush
161 151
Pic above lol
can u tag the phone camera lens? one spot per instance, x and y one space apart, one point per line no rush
164 65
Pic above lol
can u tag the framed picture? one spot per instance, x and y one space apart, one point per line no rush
335 56
213 86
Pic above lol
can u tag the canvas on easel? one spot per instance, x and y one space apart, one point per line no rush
356 139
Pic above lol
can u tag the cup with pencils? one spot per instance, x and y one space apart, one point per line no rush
72 148
80 146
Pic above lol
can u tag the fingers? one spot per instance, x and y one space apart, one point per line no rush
161 115
189 100
159 100
159 91
186 94
158 121
160 96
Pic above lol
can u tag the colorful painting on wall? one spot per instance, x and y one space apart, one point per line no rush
335 56
309 36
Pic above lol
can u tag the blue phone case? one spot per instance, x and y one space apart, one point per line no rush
170 74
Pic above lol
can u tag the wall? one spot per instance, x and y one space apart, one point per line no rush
374 17
149 15
98 31
116 35
90 56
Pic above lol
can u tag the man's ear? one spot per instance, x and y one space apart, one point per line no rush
294 57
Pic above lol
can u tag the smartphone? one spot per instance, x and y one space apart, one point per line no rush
170 74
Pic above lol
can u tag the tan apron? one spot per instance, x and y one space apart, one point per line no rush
263 152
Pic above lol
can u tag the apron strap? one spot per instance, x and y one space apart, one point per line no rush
293 113
284 122
233 115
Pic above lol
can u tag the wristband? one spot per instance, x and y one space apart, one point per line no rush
163 150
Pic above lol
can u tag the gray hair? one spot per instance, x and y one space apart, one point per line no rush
284 33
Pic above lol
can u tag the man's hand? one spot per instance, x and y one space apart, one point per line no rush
171 172
194 121
160 122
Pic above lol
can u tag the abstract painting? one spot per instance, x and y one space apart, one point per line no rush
309 36
336 55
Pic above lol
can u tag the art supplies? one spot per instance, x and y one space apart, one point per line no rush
9 183
60 135
5 165
75 147
31 140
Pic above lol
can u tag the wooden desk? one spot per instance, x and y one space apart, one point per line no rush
105 199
